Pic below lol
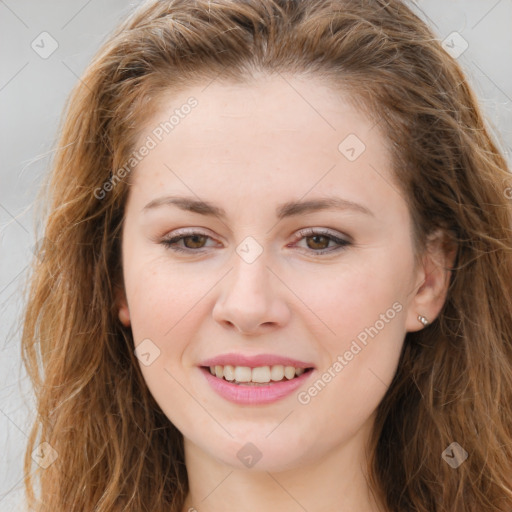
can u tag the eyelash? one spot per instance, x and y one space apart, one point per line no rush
170 243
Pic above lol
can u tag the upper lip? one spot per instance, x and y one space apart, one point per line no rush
254 361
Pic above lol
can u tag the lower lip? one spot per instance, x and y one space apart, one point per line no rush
253 395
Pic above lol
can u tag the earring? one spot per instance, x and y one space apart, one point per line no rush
423 320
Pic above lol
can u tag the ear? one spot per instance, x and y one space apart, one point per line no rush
432 281
122 306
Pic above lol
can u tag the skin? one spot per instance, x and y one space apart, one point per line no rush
247 149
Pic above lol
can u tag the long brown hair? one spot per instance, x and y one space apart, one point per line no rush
116 450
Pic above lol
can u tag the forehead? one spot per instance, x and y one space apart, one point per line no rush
281 133
268 105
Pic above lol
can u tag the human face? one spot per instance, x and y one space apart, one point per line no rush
251 284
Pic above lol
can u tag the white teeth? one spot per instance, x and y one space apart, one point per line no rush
289 372
243 374
229 372
277 372
260 374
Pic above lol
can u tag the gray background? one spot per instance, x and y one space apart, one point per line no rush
33 90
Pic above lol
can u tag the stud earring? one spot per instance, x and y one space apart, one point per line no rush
423 320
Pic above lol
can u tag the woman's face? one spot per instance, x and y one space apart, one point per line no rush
274 162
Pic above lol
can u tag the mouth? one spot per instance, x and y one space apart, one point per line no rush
257 376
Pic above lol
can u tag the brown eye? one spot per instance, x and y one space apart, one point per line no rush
196 241
192 242
319 242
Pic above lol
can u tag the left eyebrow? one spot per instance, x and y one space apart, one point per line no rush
288 209
292 208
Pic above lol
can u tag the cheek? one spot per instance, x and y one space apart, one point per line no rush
160 296
345 299
164 306
361 332
359 365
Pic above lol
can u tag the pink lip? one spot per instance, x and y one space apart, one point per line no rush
254 361
254 395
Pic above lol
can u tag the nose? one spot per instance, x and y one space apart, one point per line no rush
251 299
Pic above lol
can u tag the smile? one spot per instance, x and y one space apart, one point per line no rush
257 375
254 386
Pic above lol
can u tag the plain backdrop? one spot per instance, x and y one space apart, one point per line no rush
34 85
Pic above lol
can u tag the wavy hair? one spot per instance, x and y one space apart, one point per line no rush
116 450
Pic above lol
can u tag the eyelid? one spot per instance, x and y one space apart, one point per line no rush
304 232
342 241
182 233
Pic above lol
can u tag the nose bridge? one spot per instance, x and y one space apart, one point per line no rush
249 282
249 297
